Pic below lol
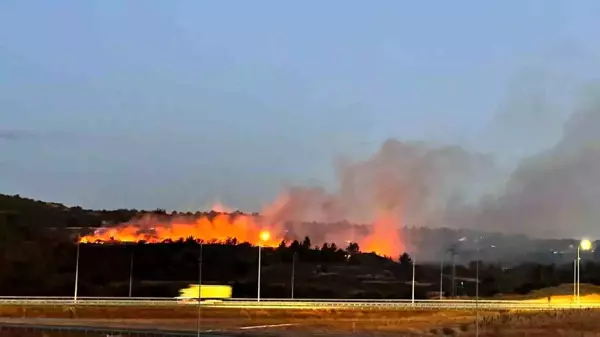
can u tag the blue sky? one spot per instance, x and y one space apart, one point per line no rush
178 104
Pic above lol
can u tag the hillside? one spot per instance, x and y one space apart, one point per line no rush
560 290
31 215
38 257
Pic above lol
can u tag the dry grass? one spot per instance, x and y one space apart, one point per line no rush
322 322
547 324
561 290
312 322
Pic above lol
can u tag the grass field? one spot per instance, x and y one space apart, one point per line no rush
561 290
301 322
317 322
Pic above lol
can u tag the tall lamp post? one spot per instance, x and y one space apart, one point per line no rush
199 290
452 250
264 236
76 272
131 274
477 292
574 280
585 244
442 276
477 284
413 281
293 272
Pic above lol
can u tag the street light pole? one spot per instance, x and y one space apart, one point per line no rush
131 274
293 272
578 274
477 293
76 272
452 251
574 280
453 274
583 245
413 282
442 277
198 319
264 236
258 290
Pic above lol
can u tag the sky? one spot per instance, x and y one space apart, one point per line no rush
180 104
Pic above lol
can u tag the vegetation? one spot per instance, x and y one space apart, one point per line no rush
302 322
325 322
38 257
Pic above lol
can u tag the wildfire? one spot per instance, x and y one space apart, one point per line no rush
384 239
222 227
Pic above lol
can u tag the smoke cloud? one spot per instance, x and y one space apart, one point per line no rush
552 194
403 184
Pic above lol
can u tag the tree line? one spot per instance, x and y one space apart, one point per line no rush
36 260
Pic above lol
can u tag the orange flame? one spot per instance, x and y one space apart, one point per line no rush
384 240
222 227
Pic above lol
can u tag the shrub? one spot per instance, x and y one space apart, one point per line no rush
448 331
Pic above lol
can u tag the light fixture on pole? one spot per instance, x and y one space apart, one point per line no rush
264 236
585 244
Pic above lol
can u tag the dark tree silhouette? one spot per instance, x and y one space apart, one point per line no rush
38 250
306 244
353 248
405 260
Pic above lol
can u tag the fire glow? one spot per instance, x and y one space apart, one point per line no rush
223 227
218 229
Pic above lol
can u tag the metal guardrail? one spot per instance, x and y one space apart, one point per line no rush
90 331
308 300
459 304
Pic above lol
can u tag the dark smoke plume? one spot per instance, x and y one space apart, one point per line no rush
555 193
403 184
552 194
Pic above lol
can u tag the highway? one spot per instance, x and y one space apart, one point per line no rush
310 304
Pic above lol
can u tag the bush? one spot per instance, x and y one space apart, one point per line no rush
448 331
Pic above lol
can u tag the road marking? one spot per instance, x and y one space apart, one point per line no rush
265 326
